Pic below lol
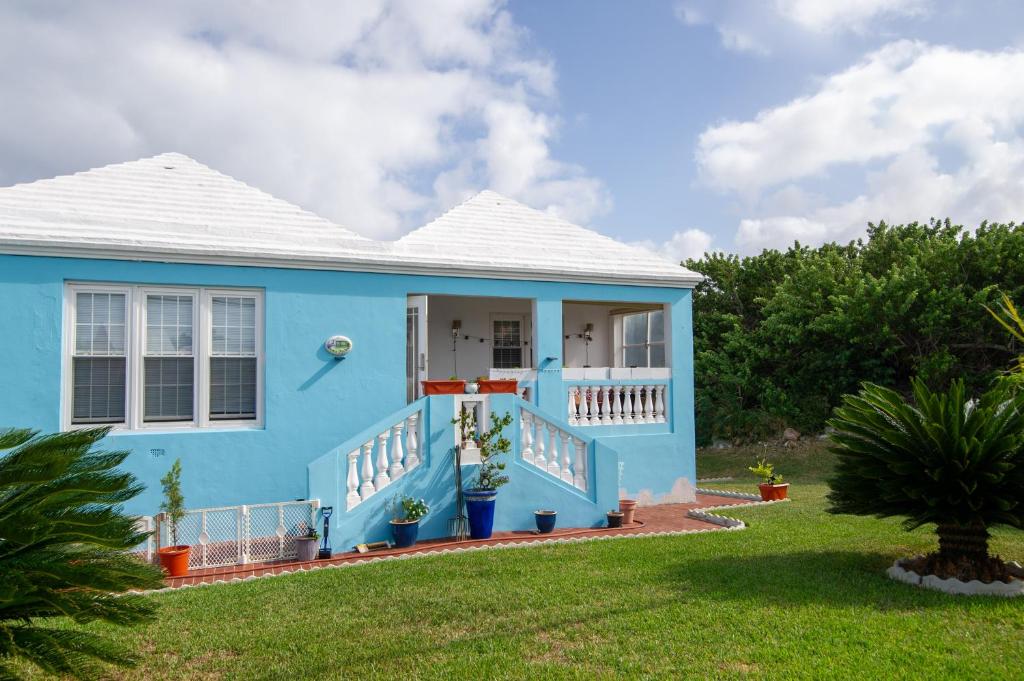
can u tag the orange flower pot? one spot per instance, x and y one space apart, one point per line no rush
500 385
174 559
444 387
773 492
627 507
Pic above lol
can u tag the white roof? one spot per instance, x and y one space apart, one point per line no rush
175 209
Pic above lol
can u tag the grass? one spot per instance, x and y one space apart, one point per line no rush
800 594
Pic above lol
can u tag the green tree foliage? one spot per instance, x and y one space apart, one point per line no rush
780 337
943 459
63 539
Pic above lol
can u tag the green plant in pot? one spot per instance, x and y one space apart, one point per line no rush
405 520
174 558
771 487
490 473
307 543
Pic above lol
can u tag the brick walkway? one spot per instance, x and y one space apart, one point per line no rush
664 518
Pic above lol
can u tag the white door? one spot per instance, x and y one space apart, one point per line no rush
415 346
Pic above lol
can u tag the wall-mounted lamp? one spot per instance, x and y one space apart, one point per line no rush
456 327
588 332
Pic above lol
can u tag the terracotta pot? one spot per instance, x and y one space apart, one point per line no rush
627 507
773 492
444 387
174 559
614 519
503 385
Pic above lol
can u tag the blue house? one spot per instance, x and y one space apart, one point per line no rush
196 316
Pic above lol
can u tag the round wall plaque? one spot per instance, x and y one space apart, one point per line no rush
338 346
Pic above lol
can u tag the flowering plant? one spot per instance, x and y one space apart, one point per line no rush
409 510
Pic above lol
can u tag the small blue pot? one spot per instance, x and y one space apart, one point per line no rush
405 533
480 509
545 521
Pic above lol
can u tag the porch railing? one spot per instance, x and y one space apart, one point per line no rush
553 449
616 404
383 459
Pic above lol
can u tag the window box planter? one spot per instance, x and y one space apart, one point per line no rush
174 559
444 387
492 386
545 521
773 492
405 532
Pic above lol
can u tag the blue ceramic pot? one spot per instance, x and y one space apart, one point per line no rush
480 509
405 533
545 521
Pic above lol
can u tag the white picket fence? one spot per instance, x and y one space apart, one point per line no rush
232 535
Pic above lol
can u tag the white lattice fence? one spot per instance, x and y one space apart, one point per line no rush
146 548
230 535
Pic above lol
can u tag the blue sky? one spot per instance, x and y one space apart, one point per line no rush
680 125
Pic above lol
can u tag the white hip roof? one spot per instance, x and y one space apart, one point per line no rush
173 208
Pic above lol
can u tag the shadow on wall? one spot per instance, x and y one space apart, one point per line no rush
330 362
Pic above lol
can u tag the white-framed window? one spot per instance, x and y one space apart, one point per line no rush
144 357
507 342
643 339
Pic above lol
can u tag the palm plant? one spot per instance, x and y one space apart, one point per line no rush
945 459
63 544
1013 321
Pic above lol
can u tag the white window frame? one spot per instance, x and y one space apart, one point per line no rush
621 345
135 329
524 356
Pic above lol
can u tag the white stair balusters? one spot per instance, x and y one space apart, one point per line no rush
555 451
383 459
554 465
366 489
539 449
396 470
608 405
567 456
382 479
579 468
412 442
352 499
526 426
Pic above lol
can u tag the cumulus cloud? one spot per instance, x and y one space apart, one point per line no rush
690 243
923 131
374 113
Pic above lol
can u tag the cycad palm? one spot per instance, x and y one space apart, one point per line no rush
63 539
945 459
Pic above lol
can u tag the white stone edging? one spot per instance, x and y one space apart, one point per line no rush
733 495
955 586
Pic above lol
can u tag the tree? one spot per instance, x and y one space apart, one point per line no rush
945 459
63 551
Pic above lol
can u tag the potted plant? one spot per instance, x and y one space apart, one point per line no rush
453 386
307 543
628 508
772 489
174 558
490 386
615 518
405 520
490 474
545 521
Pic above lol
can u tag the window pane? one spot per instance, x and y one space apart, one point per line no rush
658 355
234 326
98 385
657 326
508 358
232 387
168 325
635 356
100 327
635 326
168 389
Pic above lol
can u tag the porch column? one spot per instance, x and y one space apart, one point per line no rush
547 339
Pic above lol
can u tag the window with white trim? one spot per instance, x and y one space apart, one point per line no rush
506 342
160 357
643 339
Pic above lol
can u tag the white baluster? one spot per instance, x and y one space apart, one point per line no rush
397 469
648 404
566 457
412 443
538 446
659 404
580 468
627 404
593 409
352 498
571 407
616 404
554 467
367 489
382 480
527 426
606 406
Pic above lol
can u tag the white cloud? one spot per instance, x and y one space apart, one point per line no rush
930 131
690 243
374 113
832 16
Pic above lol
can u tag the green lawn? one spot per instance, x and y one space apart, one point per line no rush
800 594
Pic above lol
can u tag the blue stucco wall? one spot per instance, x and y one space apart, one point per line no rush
312 402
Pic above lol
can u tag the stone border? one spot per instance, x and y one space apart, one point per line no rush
723 523
733 495
955 586
724 478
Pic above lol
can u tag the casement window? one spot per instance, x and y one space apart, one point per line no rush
643 339
507 342
163 357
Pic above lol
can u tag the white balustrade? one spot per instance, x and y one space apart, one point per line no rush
352 499
555 451
606 405
382 460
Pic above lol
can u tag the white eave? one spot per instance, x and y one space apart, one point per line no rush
170 208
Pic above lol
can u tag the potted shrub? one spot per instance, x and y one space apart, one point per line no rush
489 475
174 558
453 386
307 544
405 520
628 508
490 386
615 518
545 521
772 489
